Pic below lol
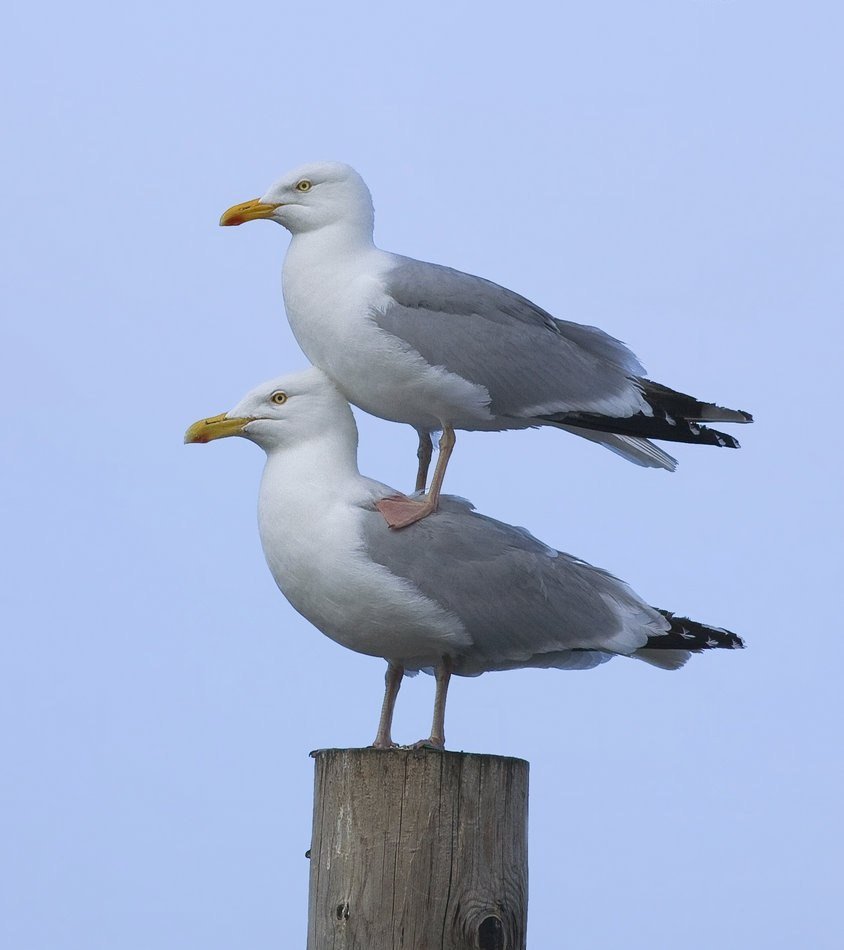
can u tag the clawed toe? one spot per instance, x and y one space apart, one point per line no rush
384 744
431 742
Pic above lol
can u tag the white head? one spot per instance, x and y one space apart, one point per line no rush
311 197
288 411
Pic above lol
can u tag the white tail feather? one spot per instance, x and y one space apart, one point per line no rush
664 659
637 450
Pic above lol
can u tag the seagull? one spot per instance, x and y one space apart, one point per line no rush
476 595
441 350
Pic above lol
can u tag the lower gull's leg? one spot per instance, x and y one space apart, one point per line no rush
392 681
437 738
424 453
399 512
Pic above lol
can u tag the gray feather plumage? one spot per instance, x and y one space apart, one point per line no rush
523 604
529 358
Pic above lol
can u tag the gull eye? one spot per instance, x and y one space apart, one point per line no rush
303 185
279 397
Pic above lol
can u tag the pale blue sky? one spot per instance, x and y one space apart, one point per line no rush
669 171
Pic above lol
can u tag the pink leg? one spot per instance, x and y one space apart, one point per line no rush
424 453
400 511
437 738
392 680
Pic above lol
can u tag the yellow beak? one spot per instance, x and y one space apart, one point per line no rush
247 211
216 427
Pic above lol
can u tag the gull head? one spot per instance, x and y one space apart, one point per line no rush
310 197
283 412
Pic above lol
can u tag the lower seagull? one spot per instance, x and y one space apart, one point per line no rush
476 595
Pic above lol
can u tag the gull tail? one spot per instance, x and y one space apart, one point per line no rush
671 649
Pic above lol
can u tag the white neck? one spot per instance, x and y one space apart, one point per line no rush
310 474
309 512
341 238
320 271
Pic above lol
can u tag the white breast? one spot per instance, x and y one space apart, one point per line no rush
314 549
329 307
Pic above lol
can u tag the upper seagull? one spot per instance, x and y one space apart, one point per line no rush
442 350
475 595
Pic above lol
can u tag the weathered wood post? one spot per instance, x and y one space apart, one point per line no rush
418 850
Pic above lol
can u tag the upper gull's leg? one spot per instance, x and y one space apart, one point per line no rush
447 441
392 681
437 738
400 511
424 453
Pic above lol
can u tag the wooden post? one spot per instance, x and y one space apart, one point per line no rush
418 850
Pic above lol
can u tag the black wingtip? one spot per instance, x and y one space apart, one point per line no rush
640 426
686 634
714 437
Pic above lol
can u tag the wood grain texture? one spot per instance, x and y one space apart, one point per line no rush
418 850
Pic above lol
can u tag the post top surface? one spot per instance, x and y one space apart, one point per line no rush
407 752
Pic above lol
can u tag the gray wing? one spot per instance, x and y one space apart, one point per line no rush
530 362
522 603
